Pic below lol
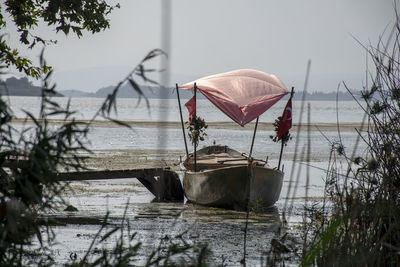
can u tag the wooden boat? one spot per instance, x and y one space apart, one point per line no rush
226 178
220 176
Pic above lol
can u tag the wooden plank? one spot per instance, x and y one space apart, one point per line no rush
164 184
109 174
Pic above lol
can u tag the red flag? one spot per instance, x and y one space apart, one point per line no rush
286 120
191 107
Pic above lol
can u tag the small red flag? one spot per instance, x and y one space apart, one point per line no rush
286 120
191 107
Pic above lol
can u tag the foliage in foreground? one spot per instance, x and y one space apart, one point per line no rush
363 228
125 249
33 154
62 16
31 157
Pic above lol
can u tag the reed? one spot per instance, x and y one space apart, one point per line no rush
29 162
363 225
31 159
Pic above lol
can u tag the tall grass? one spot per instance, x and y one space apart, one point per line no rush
363 225
30 161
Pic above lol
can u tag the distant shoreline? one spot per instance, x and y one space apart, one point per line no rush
266 126
22 87
153 92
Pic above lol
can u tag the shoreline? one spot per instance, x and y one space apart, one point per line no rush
114 159
346 126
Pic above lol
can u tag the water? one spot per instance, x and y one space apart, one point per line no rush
120 147
146 133
129 110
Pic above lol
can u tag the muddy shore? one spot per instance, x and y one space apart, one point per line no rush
222 230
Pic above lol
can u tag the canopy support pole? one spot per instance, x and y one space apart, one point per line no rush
280 155
254 137
195 128
282 143
183 127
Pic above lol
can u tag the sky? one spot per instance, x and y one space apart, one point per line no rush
210 36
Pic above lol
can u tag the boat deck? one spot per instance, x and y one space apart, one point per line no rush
217 160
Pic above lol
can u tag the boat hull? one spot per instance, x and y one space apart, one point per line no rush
233 186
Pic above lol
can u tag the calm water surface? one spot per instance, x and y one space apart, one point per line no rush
167 109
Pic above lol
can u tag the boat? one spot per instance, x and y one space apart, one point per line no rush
218 175
227 178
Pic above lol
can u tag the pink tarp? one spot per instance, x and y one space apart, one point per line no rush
243 95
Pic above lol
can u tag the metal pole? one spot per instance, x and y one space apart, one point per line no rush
195 128
183 127
254 137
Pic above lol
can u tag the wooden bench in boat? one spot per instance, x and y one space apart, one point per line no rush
218 160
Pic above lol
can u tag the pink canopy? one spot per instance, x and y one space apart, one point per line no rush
243 95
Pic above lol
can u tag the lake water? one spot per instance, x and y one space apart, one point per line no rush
167 109
152 141
146 133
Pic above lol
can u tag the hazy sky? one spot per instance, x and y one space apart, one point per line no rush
213 36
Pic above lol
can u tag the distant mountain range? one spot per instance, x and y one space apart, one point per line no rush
126 91
22 87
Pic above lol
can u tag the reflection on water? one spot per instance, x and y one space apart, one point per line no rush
192 213
222 230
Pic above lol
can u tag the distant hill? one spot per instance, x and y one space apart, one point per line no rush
77 93
23 87
20 87
126 91
330 96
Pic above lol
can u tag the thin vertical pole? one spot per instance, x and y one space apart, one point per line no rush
280 155
282 144
166 20
308 168
254 137
195 127
183 127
